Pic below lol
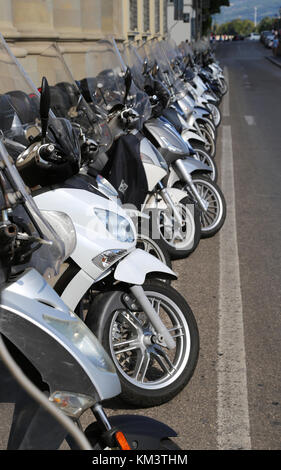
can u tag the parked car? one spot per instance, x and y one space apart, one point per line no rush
269 41
254 37
264 35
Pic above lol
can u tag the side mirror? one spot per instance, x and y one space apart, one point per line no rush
128 82
45 103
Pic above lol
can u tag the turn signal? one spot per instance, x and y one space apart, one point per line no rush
122 441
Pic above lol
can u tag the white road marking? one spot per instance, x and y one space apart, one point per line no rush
233 413
225 104
250 120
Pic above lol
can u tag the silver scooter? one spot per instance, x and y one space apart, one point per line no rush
52 340
185 172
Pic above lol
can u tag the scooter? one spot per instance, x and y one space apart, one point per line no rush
171 111
47 338
187 173
200 92
105 253
196 116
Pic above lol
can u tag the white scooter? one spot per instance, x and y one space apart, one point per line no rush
179 232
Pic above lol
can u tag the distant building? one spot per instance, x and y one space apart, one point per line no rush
187 27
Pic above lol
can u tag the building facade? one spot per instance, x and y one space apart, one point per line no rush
189 26
81 20
30 25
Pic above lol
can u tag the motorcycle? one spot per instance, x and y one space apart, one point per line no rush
170 112
197 117
200 92
46 337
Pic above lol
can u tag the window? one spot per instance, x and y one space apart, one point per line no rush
146 15
165 16
133 15
157 16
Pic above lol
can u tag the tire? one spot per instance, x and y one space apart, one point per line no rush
205 158
159 374
211 129
224 86
179 249
215 113
213 220
210 145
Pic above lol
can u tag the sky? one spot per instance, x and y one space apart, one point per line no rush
245 9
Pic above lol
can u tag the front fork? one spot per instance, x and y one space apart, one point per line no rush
187 178
163 338
109 435
169 201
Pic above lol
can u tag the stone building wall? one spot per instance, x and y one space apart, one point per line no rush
30 26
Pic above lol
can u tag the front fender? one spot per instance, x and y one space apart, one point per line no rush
146 432
134 268
187 135
192 165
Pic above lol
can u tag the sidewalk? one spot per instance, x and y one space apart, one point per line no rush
275 60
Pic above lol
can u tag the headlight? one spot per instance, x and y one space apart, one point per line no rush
119 227
180 94
82 339
63 226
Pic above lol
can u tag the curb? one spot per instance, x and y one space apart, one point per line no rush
274 61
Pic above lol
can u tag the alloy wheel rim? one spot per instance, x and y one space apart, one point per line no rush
140 361
211 218
176 235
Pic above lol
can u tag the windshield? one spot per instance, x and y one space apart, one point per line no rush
66 98
48 258
105 84
132 59
154 52
20 109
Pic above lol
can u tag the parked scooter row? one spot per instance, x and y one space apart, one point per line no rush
86 156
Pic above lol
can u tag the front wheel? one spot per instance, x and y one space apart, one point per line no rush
180 239
209 145
205 158
150 374
215 113
213 218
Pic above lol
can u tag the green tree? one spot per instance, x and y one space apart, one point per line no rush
237 26
265 24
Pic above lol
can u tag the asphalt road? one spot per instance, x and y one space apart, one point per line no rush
232 281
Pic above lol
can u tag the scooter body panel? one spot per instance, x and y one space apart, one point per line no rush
92 237
35 319
166 136
188 135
